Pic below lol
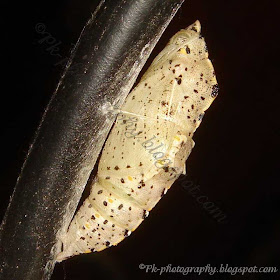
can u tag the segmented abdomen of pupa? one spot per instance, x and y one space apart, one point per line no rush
148 146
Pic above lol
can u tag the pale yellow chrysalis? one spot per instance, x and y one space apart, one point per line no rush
147 148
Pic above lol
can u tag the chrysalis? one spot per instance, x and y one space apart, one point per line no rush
148 146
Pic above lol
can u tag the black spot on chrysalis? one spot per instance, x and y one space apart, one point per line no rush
194 29
215 90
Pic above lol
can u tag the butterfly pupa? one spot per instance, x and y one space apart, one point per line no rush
148 146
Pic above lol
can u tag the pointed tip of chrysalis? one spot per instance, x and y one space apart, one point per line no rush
196 26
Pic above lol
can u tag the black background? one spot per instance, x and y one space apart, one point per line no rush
234 160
